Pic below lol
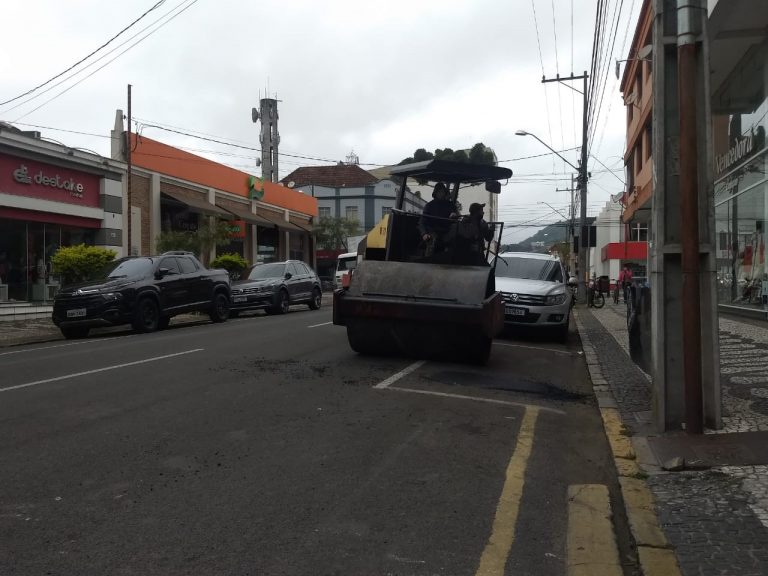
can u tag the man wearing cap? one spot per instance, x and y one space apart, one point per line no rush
475 232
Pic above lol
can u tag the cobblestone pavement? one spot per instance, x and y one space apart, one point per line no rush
716 519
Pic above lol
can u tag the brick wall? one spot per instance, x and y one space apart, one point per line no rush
140 198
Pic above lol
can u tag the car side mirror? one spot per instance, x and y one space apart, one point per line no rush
288 275
573 281
161 272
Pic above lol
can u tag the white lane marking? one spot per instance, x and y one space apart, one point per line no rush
404 372
87 372
555 350
476 399
60 346
323 324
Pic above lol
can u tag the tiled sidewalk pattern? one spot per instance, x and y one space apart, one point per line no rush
716 519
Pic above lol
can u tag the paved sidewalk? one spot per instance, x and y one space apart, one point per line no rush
715 516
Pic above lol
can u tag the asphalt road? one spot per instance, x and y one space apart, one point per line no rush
265 446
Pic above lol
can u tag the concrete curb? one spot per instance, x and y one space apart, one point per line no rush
655 553
52 334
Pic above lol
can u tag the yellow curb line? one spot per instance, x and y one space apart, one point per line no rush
591 542
656 556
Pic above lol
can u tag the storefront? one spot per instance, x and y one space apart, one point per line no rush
740 119
175 191
51 196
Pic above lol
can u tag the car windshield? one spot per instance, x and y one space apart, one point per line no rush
262 271
529 269
126 268
347 264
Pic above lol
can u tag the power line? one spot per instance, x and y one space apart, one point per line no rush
184 9
76 64
541 61
615 81
557 70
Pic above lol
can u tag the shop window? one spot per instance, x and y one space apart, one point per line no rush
297 246
741 267
648 141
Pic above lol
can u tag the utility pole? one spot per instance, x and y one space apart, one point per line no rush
571 223
684 325
128 148
582 182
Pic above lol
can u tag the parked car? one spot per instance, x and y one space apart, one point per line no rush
535 291
276 286
144 291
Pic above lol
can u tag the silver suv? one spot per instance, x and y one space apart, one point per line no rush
535 291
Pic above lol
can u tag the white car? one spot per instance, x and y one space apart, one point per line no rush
535 291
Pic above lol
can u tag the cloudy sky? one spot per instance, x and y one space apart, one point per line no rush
381 78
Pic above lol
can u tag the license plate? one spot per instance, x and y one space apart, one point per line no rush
76 313
516 311
240 299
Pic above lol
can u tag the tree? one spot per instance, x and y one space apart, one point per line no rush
481 154
478 154
200 241
332 233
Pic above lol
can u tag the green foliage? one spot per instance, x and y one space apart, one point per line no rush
232 262
177 240
80 263
332 233
199 242
478 154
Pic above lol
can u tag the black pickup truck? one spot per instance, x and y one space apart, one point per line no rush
144 291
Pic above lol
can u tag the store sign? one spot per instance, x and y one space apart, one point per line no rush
742 148
237 229
21 175
25 177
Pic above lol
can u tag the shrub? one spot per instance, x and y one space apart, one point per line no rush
232 263
186 241
80 263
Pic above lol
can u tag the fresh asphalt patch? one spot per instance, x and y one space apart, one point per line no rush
507 383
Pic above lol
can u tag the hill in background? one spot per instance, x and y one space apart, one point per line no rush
544 238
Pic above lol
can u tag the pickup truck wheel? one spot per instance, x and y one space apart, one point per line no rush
282 304
317 299
219 308
73 332
146 318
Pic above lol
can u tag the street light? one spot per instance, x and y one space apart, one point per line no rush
582 182
524 133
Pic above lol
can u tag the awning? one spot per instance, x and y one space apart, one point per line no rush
247 216
281 222
306 226
199 205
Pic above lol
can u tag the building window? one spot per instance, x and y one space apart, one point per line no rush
639 232
630 106
648 141
639 85
324 211
351 213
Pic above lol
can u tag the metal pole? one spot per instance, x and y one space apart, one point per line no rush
128 146
689 217
584 233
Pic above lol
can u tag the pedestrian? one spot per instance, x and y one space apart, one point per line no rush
625 281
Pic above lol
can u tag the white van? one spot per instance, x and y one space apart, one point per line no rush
344 263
